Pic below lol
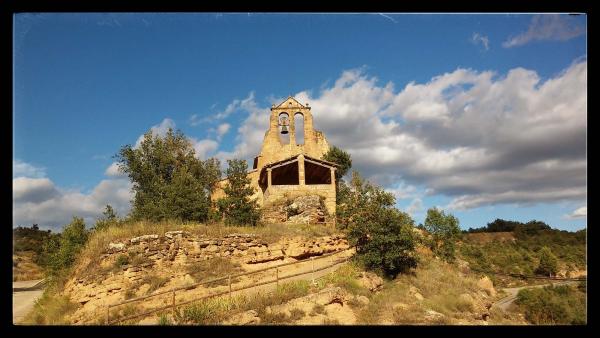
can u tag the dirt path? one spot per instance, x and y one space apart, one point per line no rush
24 300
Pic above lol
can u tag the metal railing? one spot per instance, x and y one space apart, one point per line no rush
230 290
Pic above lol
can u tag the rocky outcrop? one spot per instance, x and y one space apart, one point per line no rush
306 209
371 281
134 265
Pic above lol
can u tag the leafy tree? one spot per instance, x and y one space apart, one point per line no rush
109 217
382 234
169 182
236 207
64 251
548 262
344 162
445 231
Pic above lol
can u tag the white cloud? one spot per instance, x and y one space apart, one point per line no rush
21 168
194 120
160 130
546 27
114 171
204 148
40 201
222 129
578 213
33 189
481 39
477 137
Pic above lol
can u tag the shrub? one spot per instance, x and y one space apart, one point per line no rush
553 305
62 252
548 262
383 235
121 261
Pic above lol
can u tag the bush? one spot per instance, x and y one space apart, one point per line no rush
553 305
63 252
383 235
548 263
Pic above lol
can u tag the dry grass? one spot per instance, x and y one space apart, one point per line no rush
216 310
24 268
438 282
214 268
51 310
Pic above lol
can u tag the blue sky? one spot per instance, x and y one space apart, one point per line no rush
86 84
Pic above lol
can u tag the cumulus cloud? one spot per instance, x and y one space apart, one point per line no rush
40 201
546 27
481 39
35 190
479 137
21 168
114 171
578 213
160 130
222 129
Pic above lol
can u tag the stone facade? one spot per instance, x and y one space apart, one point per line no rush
288 169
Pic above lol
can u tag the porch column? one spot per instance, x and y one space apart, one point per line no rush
301 169
269 177
332 171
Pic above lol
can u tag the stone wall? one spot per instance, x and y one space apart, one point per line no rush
170 256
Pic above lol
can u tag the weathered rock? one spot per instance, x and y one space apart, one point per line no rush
371 281
245 318
116 247
180 233
433 315
418 296
143 238
399 306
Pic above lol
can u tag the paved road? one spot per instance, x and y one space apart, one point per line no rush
23 301
505 302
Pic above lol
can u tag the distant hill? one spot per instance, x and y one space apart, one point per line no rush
514 247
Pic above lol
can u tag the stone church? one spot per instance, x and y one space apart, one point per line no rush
290 162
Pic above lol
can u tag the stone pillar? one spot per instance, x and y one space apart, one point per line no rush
269 170
301 169
333 176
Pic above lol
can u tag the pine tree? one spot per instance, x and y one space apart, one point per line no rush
237 207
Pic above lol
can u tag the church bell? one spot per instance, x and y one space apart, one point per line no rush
284 129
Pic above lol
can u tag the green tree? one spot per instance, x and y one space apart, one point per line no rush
72 240
169 182
109 217
382 234
445 231
236 207
344 162
548 262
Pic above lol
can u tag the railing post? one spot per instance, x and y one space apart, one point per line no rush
173 305
107 314
229 279
312 259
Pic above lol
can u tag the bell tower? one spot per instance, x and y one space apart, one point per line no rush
276 145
